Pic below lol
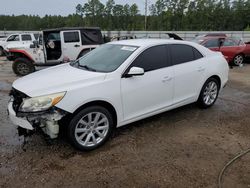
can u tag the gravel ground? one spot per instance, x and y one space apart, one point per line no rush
186 147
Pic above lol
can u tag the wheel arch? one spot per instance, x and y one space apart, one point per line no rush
21 53
101 103
217 78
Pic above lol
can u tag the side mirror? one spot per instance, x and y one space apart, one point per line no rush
134 71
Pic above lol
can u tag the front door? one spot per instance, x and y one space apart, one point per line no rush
152 91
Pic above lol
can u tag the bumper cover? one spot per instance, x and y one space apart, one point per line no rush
22 122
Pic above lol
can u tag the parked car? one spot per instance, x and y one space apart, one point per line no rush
15 40
55 46
233 49
114 85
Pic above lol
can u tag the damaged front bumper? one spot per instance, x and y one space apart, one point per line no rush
47 120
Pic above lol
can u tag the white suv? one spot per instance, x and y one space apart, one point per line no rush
55 46
114 85
16 41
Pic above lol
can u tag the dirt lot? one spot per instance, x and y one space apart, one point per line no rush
186 147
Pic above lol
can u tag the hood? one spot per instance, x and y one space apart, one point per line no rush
56 79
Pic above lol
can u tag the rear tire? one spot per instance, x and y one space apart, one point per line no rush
90 128
22 66
209 93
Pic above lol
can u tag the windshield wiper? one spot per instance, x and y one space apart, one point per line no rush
87 67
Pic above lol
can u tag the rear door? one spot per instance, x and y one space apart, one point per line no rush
189 70
71 43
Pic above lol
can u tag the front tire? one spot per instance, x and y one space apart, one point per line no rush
209 93
90 128
22 66
238 60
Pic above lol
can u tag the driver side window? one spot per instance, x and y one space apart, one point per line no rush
152 59
13 38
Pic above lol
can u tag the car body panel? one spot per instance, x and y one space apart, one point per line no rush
132 98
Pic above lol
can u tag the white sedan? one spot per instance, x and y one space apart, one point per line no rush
114 85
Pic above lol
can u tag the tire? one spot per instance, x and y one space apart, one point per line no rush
85 133
22 66
238 60
209 93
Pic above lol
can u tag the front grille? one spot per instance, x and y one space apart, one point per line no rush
18 97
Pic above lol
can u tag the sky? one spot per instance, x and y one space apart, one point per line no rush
52 7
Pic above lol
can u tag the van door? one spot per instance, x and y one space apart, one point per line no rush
71 43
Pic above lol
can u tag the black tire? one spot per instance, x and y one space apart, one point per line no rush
75 123
238 60
202 100
23 66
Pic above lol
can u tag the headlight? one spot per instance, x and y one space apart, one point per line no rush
37 104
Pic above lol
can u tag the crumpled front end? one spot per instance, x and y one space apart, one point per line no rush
30 122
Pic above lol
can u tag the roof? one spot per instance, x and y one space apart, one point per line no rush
71 28
144 43
149 42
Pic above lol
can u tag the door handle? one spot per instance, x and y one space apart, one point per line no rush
167 79
77 45
201 69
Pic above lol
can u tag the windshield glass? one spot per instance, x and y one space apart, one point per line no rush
106 58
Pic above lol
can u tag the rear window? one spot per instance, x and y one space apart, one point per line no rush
182 53
71 37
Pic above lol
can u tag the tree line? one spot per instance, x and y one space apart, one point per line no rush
168 15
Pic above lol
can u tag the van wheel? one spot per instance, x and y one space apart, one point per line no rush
22 66
90 128
238 60
209 93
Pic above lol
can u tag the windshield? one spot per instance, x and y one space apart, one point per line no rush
106 58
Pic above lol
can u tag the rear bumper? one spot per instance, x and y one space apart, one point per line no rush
22 122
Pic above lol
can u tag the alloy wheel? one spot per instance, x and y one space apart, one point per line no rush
238 60
210 93
92 129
